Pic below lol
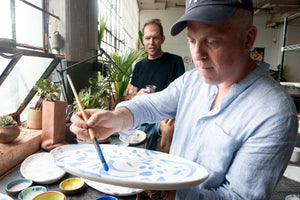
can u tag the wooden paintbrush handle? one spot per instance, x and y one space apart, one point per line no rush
91 131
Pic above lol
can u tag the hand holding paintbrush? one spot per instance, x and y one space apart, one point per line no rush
91 132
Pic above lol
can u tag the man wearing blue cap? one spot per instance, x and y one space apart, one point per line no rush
231 116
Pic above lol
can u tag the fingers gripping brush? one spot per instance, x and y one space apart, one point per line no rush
91 131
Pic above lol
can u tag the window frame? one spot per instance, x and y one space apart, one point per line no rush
10 49
115 35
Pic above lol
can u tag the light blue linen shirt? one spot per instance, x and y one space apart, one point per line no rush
245 142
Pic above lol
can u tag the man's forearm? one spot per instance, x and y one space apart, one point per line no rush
125 118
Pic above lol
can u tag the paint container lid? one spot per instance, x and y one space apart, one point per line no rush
107 198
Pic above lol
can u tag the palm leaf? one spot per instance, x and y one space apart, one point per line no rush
125 61
102 26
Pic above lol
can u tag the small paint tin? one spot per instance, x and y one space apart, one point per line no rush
50 195
13 188
71 186
107 198
31 192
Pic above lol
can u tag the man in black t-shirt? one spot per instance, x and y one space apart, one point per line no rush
159 69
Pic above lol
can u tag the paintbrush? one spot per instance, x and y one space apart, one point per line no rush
91 131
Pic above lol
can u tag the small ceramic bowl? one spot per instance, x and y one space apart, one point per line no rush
13 188
71 186
50 195
31 192
107 198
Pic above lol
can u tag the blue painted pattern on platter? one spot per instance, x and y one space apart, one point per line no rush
123 163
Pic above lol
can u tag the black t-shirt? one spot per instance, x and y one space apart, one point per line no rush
159 72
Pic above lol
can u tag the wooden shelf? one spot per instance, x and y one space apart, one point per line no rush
12 154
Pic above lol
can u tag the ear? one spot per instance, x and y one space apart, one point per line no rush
250 37
163 39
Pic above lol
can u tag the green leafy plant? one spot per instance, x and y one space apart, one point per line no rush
141 38
7 121
97 95
275 74
125 61
47 90
102 26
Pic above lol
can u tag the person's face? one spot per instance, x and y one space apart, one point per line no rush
153 40
219 51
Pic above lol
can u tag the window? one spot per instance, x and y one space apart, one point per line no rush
25 23
24 56
115 36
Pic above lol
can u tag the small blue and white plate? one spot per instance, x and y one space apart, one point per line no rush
135 138
292 197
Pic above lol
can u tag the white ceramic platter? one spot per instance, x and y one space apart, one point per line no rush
135 138
40 168
112 189
130 167
5 197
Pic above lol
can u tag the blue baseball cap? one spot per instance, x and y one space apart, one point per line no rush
209 12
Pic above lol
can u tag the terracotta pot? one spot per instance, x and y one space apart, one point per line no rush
9 133
34 119
53 123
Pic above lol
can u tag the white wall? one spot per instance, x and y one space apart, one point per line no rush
131 21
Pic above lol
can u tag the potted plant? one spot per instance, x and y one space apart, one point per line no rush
9 129
125 61
46 90
53 113
97 95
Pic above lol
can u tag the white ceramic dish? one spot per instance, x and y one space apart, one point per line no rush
130 167
297 85
135 138
287 84
292 197
295 158
112 189
40 168
5 197
292 172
